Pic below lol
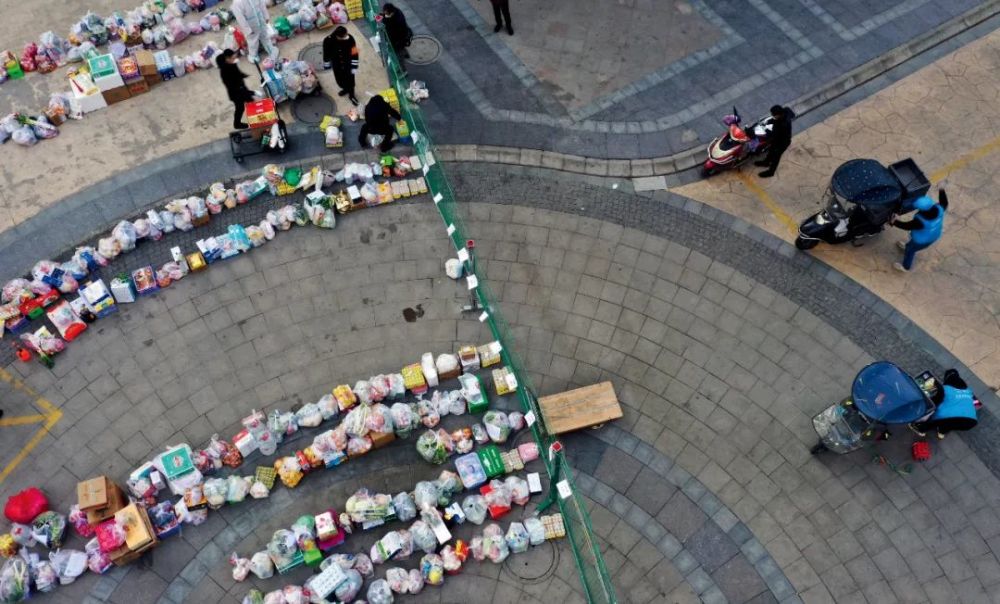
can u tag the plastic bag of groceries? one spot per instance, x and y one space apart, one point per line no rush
349 589
398 580
423 536
517 538
434 446
497 426
474 507
495 546
379 592
405 506
403 419
432 568
518 489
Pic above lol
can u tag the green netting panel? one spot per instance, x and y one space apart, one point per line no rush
586 550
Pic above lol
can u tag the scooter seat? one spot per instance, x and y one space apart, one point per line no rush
727 143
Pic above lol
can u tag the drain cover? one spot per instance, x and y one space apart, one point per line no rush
424 50
310 108
534 565
312 54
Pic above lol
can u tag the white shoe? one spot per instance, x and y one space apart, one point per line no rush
941 436
901 245
899 267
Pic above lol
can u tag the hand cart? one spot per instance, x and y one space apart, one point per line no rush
267 132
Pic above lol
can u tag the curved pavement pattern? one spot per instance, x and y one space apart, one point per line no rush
638 93
720 341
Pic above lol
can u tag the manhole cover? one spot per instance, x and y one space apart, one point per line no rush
310 108
534 565
312 54
424 50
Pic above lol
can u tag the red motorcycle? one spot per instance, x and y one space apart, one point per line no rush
737 145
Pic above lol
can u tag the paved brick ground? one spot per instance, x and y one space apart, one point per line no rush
606 102
704 491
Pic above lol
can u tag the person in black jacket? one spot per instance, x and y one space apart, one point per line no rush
398 32
377 114
501 13
340 52
779 140
236 88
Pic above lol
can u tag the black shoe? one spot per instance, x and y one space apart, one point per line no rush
1 413
497 28
343 93
762 163
510 30
766 174
241 126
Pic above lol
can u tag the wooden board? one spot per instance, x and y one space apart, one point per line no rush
580 408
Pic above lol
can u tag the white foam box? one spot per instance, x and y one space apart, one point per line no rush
109 82
88 103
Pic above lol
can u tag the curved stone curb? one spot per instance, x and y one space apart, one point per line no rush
685 160
871 322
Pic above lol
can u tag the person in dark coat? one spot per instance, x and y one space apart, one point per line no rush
340 52
779 139
397 30
501 8
236 88
377 114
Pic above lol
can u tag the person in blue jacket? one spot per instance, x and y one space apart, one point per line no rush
956 408
925 228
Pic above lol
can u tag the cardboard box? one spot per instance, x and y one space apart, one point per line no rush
128 68
94 493
152 80
116 95
138 532
102 66
147 63
261 113
101 497
125 555
140 86
381 439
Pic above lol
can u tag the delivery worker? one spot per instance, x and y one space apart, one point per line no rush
925 228
340 52
956 408
396 29
253 19
236 88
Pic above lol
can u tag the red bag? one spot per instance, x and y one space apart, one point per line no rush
25 506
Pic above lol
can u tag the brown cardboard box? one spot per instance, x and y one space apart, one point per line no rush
147 64
135 520
381 439
116 95
100 498
94 493
153 80
125 555
138 87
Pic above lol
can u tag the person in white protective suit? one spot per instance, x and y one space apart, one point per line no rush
253 19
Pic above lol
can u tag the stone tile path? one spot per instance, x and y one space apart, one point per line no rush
701 59
943 117
718 347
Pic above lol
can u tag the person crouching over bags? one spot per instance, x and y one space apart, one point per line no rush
340 53
377 114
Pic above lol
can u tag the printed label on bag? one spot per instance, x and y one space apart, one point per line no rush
463 255
529 418
437 198
484 316
451 229
472 281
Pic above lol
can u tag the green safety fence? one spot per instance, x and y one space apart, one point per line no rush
586 550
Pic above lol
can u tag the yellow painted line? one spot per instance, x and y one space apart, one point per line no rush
31 444
24 419
51 417
965 159
766 199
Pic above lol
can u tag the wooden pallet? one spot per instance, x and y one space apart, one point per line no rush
580 408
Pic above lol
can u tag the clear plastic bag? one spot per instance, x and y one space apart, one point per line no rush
379 592
398 580
474 507
432 568
518 489
517 538
309 416
434 446
403 419
416 582
426 494
430 416
241 567
536 530
423 536
405 507
497 426
349 589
